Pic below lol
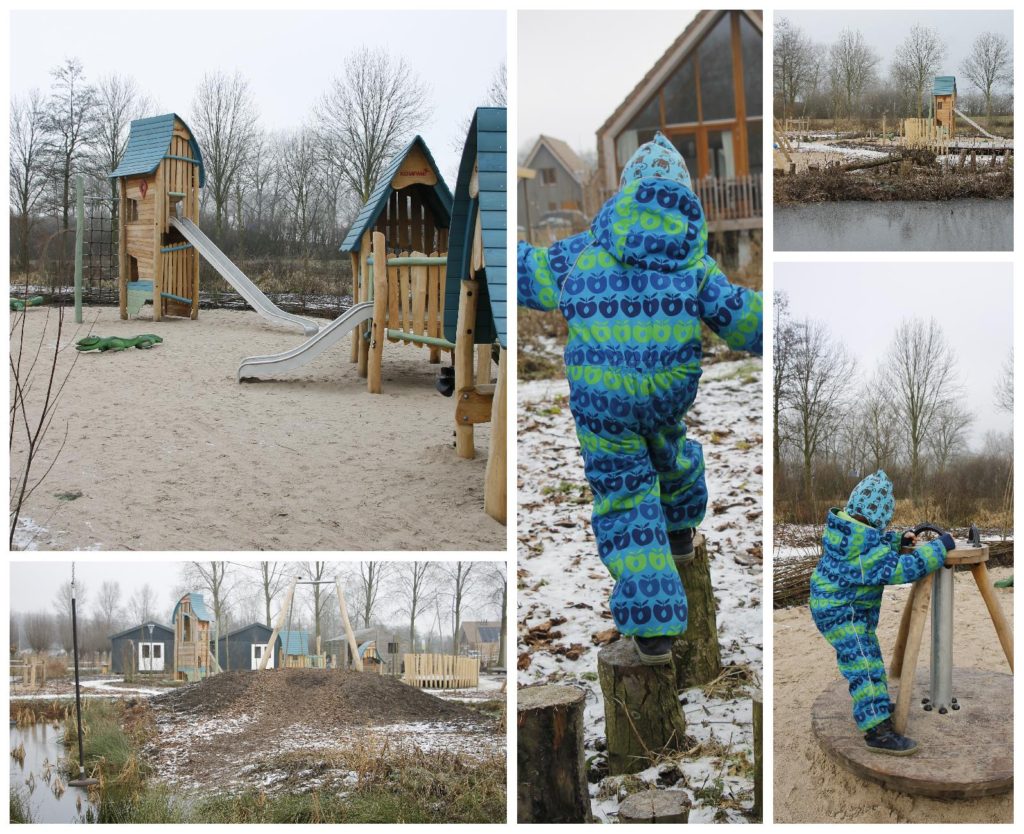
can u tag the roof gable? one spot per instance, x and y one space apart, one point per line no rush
294 642
149 141
485 152
143 628
944 85
371 211
563 154
254 625
198 605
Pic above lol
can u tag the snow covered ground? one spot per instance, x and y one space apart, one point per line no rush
564 588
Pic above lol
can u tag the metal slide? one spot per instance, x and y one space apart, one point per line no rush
234 276
977 126
264 367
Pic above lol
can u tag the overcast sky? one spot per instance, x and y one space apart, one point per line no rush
34 584
884 31
576 67
863 303
288 57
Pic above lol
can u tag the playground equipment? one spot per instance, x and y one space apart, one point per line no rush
19 304
966 749
116 343
441 671
159 243
193 659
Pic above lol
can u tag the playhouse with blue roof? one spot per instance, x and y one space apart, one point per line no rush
193 656
944 103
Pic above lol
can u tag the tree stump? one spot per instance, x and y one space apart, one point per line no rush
757 700
641 708
552 768
696 655
655 806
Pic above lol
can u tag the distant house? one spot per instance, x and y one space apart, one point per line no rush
146 647
558 185
244 647
705 95
480 638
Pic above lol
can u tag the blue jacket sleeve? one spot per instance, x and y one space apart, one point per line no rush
885 565
538 287
735 313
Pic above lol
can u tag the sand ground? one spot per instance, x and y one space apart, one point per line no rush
808 786
170 452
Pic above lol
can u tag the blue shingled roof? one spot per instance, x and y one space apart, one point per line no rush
295 642
369 213
198 608
944 85
486 147
149 140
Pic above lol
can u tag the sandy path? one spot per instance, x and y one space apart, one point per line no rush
171 453
809 787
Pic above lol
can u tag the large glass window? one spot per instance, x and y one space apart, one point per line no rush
720 154
680 93
750 40
686 144
755 153
715 58
640 130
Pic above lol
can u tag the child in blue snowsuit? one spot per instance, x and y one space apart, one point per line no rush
858 559
634 290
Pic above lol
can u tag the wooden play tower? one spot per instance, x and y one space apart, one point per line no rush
192 621
160 174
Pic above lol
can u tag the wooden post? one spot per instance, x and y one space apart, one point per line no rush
194 197
365 294
641 708
464 362
357 333
378 330
1003 631
896 664
915 630
757 704
696 654
278 625
483 364
159 209
655 806
495 485
552 771
357 661
122 248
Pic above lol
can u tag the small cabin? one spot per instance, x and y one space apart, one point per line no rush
482 639
292 649
245 647
944 104
192 622
160 176
146 647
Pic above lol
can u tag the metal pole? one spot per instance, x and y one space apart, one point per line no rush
942 640
81 781
79 243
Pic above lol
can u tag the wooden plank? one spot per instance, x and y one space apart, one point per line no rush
365 294
157 230
404 292
393 316
419 297
122 250
463 361
483 365
915 630
356 332
495 480
380 310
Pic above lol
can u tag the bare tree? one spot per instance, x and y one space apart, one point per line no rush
990 62
920 376
461 578
497 90
782 356
142 604
917 60
496 577
70 127
1004 386
224 119
108 606
321 595
272 578
27 158
40 631
948 436
367 114
814 398
851 69
794 69
62 605
880 433
119 101
415 592
213 577
371 576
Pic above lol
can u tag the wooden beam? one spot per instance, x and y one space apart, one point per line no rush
473 406
357 661
122 249
463 361
495 482
278 624
378 330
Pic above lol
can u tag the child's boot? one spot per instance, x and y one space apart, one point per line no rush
654 651
680 542
882 738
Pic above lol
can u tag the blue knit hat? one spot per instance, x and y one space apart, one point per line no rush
657 158
873 499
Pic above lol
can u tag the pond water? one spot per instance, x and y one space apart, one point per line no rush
43 751
955 226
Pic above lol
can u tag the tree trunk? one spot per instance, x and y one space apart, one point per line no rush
656 806
758 710
696 655
641 708
552 770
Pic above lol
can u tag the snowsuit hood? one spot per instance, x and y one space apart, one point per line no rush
873 499
658 159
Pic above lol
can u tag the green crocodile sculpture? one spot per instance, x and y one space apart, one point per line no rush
101 343
19 304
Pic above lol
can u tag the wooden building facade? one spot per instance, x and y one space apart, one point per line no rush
147 647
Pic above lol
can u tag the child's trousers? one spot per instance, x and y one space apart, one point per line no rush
850 630
647 479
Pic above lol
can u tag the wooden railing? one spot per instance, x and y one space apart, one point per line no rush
441 671
732 203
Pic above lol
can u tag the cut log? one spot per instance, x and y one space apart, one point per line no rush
696 654
757 702
552 767
655 806
641 708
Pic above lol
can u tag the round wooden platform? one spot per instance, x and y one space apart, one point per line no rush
965 554
962 755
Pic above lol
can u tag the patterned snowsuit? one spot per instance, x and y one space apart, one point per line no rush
846 594
634 289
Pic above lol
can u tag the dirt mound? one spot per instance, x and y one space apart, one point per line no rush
314 695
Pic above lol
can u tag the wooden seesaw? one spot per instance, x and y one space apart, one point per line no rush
964 723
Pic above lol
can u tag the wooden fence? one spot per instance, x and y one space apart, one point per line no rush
441 671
